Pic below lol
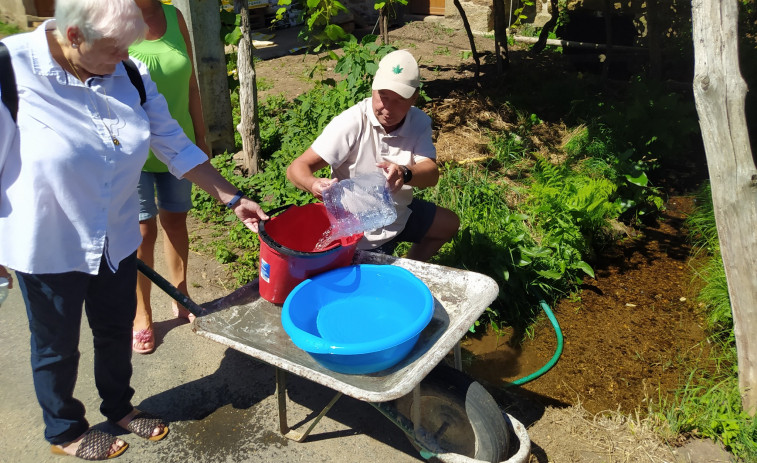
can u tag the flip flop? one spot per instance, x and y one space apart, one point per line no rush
140 338
143 424
95 445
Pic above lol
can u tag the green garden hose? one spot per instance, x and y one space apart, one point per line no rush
558 350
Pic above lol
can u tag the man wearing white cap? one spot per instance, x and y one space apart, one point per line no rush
385 133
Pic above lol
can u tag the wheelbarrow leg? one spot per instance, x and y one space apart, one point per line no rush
458 356
281 397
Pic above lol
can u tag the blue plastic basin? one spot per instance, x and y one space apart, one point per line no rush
358 319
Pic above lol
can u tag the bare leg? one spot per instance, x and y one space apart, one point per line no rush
146 253
176 250
443 228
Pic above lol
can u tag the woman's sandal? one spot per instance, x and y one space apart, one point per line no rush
143 424
140 338
94 445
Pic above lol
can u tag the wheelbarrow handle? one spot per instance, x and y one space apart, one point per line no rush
170 289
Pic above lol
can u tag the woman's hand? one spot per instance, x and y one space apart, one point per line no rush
250 213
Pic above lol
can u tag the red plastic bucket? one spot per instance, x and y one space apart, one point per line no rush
287 249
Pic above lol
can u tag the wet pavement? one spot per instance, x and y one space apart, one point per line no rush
220 402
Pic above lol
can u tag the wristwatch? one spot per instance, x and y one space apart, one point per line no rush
407 174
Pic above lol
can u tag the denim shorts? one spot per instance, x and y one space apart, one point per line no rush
173 195
422 215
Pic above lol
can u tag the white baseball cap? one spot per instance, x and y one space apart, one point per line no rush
398 71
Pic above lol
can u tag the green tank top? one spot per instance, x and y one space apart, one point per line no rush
170 69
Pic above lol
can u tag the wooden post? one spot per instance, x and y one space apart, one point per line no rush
500 34
654 38
384 24
471 40
204 23
720 92
248 93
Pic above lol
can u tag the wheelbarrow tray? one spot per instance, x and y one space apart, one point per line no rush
248 323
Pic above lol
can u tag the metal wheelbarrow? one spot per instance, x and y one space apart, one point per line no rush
444 413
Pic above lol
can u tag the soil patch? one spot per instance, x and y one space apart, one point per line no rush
630 336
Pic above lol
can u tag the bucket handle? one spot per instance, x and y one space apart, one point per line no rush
275 211
267 239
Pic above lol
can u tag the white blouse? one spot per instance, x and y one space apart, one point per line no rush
68 192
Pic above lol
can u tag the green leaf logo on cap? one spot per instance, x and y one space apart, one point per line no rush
397 69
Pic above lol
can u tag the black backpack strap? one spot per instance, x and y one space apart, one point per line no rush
8 81
136 79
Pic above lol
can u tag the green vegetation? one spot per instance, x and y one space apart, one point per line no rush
8 29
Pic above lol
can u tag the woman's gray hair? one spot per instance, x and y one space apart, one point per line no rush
120 20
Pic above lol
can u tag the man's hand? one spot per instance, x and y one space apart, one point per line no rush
393 173
320 184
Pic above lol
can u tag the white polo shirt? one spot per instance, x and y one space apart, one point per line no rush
354 141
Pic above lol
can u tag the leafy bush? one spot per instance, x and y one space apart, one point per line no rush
656 124
599 153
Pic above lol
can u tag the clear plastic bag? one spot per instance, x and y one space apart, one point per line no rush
359 204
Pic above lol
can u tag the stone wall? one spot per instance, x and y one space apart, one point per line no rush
479 15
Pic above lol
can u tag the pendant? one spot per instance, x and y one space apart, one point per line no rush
115 141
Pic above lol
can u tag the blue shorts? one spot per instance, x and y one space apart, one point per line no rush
173 195
422 215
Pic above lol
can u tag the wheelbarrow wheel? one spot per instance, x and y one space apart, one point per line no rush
460 415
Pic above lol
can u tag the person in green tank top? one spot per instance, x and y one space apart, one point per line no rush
166 51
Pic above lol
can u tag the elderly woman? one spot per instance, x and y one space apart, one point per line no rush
69 169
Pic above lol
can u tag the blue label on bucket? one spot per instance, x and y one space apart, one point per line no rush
265 270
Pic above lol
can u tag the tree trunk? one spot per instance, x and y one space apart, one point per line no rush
720 92
248 93
607 11
500 35
384 25
654 39
204 21
548 27
471 40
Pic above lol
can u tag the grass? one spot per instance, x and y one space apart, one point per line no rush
9 29
708 403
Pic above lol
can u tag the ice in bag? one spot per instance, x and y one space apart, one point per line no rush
359 204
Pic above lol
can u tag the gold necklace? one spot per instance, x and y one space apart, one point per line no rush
94 103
